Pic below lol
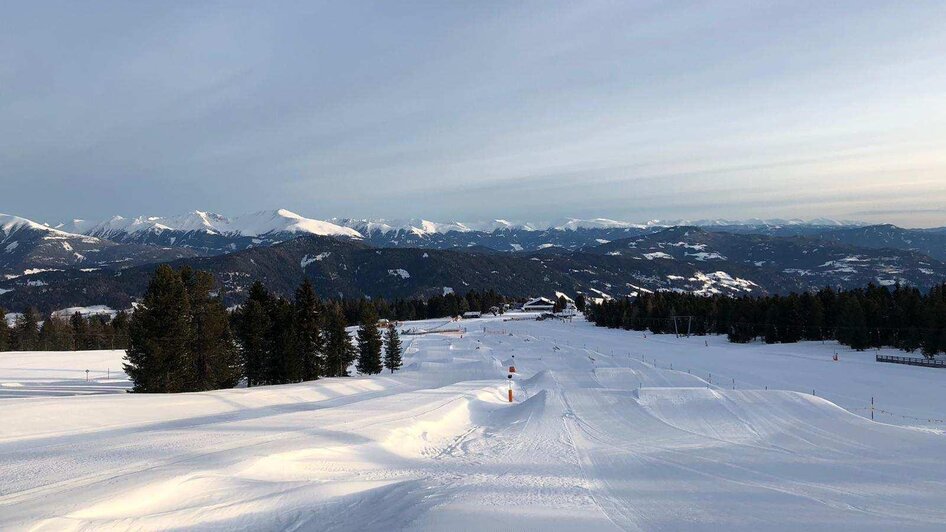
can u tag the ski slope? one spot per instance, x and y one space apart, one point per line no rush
597 439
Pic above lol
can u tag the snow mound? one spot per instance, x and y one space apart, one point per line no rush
541 380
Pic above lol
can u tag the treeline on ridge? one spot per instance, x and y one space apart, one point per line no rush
31 332
863 318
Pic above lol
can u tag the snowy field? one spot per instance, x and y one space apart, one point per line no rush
61 373
597 439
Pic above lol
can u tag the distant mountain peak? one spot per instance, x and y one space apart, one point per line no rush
10 223
285 221
252 225
595 223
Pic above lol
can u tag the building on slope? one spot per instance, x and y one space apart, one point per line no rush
539 304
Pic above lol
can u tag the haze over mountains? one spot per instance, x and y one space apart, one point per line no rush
108 262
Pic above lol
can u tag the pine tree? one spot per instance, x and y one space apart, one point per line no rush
252 327
216 359
284 361
26 331
794 320
55 334
935 322
339 353
369 343
308 332
159 357
771 324
392 349
98 336
813 315
4 331
852 327
80 332
559 304
119 326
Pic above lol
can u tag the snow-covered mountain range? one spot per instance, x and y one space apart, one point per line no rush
207 233
686 259
28 247
421 227
80 262
254 224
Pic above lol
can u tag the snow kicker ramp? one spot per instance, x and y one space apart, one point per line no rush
592 442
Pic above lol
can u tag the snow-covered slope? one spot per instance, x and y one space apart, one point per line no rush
10 224
283 221
596 439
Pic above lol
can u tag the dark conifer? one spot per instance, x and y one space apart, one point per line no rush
339 352
560 304
284 361
392 349
852 327
119 326
159 357
252 328
309 342
369 343
4 331
215 357
934 339
80 332
26 331
56 334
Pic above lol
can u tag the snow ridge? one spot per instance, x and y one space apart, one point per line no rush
10 223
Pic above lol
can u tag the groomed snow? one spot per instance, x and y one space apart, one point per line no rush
597 439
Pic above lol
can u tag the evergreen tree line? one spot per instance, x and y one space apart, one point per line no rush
863 318
437 306
282 341
181 338
31 332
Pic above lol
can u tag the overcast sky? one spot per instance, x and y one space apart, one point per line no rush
475 110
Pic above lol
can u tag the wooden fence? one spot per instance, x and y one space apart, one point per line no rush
911 361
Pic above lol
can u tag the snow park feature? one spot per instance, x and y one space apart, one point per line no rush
603 435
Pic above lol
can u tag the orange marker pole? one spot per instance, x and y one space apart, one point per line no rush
510 395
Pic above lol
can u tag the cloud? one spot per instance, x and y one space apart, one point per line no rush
476 110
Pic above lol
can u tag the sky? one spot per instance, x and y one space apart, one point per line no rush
631 110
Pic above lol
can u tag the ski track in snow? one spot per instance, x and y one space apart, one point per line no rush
598 439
